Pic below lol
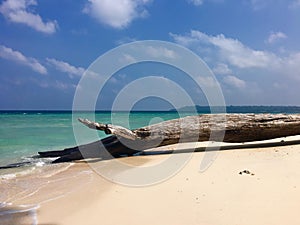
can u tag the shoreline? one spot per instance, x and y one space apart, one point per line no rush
222 194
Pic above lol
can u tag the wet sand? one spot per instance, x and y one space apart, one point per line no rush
248 186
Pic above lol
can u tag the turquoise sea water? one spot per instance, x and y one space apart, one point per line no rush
24 133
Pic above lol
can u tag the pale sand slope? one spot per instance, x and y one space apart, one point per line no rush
218 196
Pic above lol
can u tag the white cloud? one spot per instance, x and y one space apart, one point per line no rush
230 50
127 58
222 69
207 82
18 11
291 66
117 13
18 57
196 2
63 86
232 55
54 84
66 67
160 52
185 40
248 73
234 81
125 40
274 37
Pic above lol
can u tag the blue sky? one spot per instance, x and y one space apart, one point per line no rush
252 46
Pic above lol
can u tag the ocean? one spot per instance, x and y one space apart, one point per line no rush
24 133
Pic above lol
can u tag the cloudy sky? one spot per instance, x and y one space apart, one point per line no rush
252 46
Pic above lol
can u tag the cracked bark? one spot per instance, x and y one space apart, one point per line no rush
214 127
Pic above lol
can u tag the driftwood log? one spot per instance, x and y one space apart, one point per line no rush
214 127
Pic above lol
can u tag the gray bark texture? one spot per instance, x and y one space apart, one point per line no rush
232 128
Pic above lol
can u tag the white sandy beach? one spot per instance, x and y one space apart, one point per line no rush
269 194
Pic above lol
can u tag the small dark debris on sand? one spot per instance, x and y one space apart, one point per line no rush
246 172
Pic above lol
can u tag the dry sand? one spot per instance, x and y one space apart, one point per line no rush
223 194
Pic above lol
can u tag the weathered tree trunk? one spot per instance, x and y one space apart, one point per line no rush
214 127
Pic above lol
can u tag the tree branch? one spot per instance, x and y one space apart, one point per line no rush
110 129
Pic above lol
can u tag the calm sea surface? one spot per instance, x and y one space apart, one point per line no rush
24 133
